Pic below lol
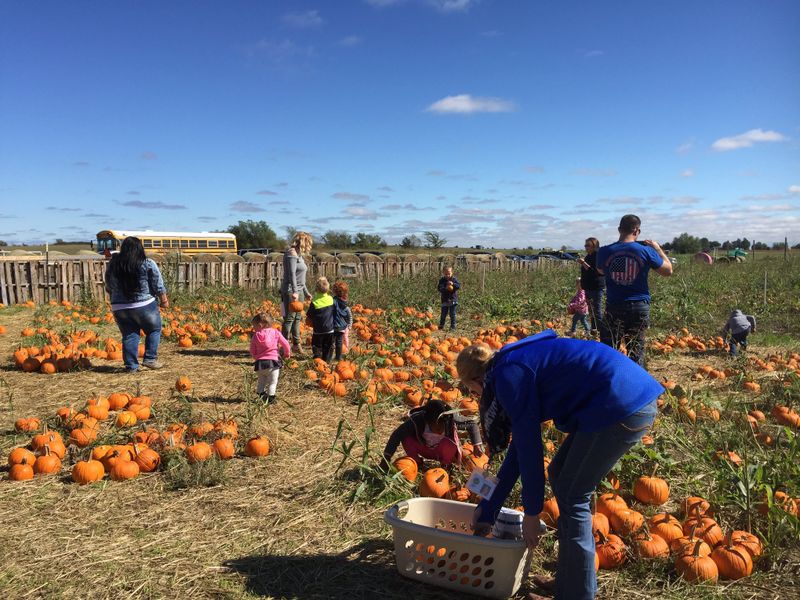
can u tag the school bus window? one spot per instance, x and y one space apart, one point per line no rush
147 243
230 243
156 243
192 243
184 243
202 243
212 243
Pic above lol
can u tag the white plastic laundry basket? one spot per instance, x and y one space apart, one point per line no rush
434 543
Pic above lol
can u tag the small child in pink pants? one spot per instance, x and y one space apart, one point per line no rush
266 347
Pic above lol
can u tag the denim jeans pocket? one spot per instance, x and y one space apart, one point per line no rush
632 428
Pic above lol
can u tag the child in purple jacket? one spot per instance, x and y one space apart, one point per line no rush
578 307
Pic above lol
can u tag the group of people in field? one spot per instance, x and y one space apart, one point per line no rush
602 399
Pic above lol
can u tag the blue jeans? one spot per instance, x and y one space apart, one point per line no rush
738 339
627 322
595 300
451 310
130 322
579 318
576 470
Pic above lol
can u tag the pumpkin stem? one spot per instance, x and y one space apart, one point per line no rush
696 552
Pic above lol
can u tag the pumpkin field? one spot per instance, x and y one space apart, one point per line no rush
182 483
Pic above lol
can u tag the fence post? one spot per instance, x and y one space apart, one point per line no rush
483 277
765 287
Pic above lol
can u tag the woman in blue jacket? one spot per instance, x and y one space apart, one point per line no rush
134 282
603 400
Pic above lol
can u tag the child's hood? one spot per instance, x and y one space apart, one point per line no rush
322 300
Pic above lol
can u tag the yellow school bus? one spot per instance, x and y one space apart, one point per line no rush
185 242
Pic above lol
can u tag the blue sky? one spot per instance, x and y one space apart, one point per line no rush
495 122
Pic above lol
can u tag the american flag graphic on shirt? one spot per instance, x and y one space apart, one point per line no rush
624 269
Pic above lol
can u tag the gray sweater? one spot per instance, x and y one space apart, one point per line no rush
294 273
739 323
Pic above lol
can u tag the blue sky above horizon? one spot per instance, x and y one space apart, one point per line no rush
496 122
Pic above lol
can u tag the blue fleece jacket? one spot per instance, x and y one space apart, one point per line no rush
580 385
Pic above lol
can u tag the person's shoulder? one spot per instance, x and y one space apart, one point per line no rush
150 263
290 251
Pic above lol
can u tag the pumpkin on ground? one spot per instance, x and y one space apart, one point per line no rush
88 471
408 467
435 483
257 446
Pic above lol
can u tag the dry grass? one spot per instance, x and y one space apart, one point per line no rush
278 528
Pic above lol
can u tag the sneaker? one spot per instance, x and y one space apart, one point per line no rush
153 364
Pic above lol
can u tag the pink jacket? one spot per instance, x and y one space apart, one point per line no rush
265 342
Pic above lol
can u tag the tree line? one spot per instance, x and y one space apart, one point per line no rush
689 244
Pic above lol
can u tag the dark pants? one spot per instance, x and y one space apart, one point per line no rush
738 339
627 323
452 311
579 318
594 299
322 346
130 322
338 341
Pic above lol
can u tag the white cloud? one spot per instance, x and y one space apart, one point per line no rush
246 207
465 104
350 41
350 196
794 189
534 169
593 54
685 147
687 173
747 139
452 5
303 20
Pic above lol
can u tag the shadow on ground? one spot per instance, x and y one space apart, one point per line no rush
366 570
215 352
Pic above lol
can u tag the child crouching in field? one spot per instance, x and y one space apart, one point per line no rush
579 308
429 432
342 317
740 325
266 347
320 317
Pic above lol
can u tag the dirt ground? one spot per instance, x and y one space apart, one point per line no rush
280 527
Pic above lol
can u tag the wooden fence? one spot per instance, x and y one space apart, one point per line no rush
79 280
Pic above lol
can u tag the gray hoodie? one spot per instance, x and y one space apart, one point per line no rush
739 323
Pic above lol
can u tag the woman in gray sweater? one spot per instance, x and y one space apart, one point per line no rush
293 286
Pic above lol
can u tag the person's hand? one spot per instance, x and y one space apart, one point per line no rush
653 244
294 296
530 531
477 451
481 529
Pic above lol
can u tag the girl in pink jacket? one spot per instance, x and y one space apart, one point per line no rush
266 347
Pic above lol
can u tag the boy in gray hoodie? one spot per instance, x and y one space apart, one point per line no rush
740 325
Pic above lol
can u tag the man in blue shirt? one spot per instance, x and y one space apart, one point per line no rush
626 265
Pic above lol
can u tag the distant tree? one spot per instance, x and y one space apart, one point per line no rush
433 240
3 243
290 231
686 244
667 246
760 246
778 246
254 234
338 240
713 244
796 247
368 240
60 241
410 241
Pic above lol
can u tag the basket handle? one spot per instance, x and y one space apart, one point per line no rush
394 511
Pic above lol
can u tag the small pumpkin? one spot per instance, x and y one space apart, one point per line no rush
183 384
651 490
198 452
296 306
21 455
748 541
257 446
611 551
224 448
694 567
88 471
408 467
21 471
118 400
124 469
126 418
626 522
550 513
733 562
47 463
435 483
147 458
647 545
